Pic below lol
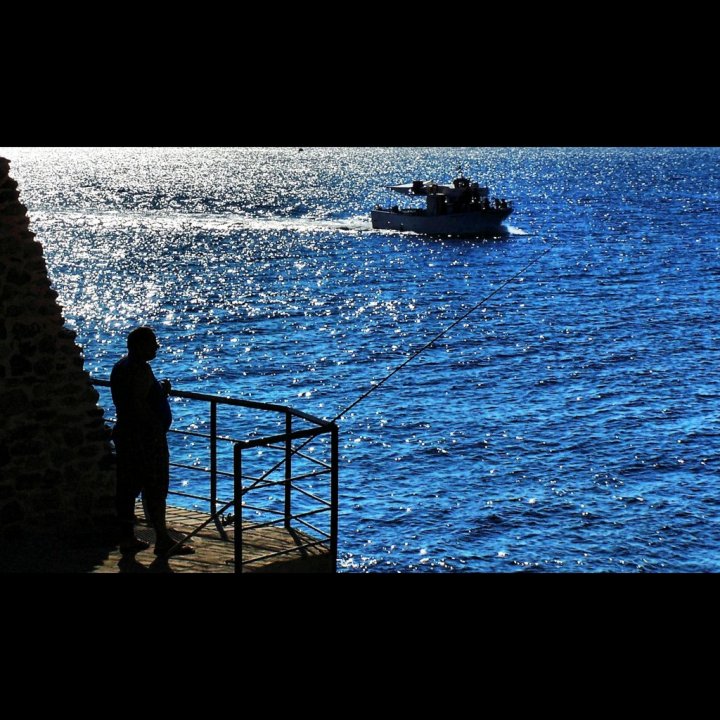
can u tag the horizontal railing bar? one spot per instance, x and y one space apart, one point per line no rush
297 516
196 468
192 433
314 460
250 477
267 441
258 486
235 440
312 527
259 483
188 433
208 436
236 402
224 473
189 495
307 513
311 495
205 436
267 523
199 468
224 438
204 498
256 482
263 509
302 455
313 474
282 481
307 416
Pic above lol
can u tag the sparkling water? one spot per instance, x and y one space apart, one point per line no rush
569 424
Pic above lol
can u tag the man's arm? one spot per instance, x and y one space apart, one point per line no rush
144 418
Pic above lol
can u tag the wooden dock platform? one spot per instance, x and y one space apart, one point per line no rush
258 543
212 553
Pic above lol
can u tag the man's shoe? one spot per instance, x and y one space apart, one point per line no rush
133 544
169 550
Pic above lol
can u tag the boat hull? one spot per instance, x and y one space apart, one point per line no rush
477 223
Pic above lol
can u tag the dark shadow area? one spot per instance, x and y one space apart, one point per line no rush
100 553
46 554
295 558
128 563
309 565
160 565
299 541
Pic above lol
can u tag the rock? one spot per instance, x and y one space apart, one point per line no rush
56 473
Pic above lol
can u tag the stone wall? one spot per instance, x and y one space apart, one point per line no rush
56 471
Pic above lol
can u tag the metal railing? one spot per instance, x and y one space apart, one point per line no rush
300 499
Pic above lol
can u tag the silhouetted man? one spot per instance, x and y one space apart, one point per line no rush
140 437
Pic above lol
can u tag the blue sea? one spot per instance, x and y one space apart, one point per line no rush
569 424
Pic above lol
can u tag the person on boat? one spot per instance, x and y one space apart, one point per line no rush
140 436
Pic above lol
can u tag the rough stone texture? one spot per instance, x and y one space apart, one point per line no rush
56 470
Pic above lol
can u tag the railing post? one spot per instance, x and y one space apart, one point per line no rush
334 499
213 468
237 485
288 469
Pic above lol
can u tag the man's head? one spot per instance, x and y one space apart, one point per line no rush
142 343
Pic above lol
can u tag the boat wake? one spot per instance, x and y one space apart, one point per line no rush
512 230
141 222
357 224
225 223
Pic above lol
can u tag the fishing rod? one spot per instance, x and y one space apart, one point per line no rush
443 332
411 357
377 385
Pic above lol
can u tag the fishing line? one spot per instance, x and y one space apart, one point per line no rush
377 386
444 331
411 357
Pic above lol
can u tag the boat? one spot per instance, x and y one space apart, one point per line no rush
463 209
